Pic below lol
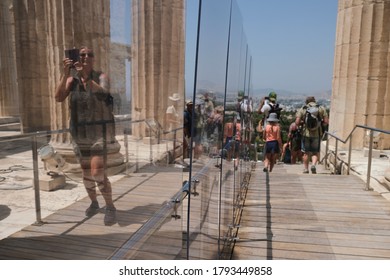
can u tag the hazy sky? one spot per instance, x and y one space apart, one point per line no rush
292 43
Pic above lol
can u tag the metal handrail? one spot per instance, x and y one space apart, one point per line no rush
34 147
349 138
136 240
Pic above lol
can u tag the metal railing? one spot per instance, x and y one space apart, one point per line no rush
349 138
33 137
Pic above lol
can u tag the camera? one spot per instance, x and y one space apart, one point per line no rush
73 54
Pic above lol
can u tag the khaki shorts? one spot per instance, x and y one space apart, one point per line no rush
311 144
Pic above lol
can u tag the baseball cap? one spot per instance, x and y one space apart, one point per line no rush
272 96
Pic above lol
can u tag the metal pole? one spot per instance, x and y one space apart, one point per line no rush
368 188
326 152
349 155
105 151
335 156
34 148
150 144
126 140
174 145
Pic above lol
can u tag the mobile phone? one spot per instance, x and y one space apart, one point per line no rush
73 54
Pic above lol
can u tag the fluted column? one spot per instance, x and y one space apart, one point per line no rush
361 79
31 61
157 59
9 100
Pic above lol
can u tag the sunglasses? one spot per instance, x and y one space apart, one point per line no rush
85 54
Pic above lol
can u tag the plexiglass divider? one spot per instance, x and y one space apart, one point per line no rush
170 205
222 130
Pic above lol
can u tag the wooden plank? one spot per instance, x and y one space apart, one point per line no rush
290 215
287 215
68 234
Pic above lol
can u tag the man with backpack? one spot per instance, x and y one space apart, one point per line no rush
312 117
268 106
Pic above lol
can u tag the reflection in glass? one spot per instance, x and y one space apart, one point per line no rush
170 203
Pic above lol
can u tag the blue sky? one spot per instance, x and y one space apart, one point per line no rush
292 43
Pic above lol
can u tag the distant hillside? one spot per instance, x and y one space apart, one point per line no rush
285 94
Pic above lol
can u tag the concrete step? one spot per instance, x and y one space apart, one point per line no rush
10 127
9 124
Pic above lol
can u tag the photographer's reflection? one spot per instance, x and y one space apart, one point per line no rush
91 108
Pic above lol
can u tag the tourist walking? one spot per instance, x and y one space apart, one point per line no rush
312 117
273 141
295 141
269 105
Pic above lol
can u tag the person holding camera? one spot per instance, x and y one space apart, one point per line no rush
91 124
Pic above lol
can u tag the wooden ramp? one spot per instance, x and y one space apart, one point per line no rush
69 235
290 215
286 215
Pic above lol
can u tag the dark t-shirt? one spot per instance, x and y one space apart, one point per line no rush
90 113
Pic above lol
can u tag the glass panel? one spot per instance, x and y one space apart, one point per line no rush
73 136
217 170
136 161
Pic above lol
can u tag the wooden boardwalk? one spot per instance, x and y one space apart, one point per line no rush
286 215
68 234
290 215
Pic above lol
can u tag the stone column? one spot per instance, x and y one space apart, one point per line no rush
361 81
157 59
31 63
9 101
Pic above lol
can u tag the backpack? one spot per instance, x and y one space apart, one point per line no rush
187 123
275 109
312 118
287 155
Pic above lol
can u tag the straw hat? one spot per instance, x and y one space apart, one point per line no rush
174 97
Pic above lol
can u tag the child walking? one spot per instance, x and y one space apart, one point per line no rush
273 141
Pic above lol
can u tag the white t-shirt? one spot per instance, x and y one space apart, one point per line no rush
265 110
174 115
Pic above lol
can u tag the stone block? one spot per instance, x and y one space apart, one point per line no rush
51 182
375 153
150 140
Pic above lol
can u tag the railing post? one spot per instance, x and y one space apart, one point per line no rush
174 145
349 155
105 159
150 145
335 155
34 148
368 188
126 142
326 152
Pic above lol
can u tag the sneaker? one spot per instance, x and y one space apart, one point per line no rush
313 169
92 209
110 216
305 171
